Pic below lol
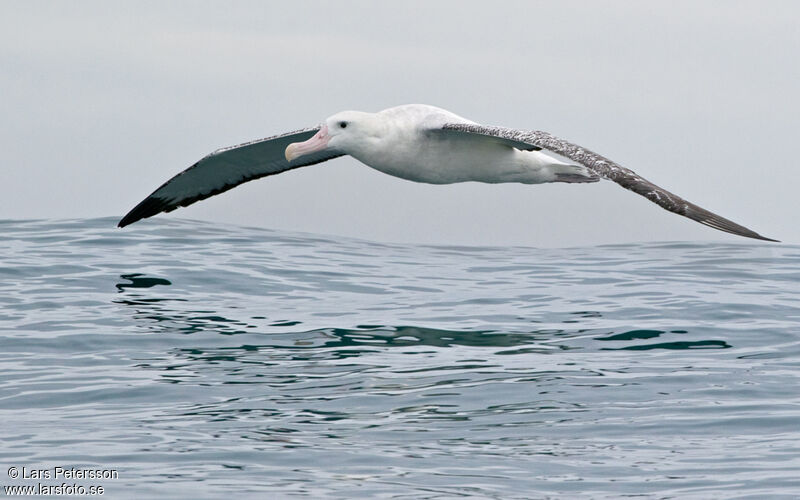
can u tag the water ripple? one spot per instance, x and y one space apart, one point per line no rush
225 360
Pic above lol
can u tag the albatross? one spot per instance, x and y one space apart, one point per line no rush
419 143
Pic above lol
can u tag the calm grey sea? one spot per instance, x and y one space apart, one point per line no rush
203 361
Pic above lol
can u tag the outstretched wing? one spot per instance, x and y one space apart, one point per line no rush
225 169
610 170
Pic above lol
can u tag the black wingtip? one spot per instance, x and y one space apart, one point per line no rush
149 207
757 236
713 220
126 221
131 217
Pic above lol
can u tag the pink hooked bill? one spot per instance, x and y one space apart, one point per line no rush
316 143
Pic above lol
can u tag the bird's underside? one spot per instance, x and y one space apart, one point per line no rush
225 169
228 167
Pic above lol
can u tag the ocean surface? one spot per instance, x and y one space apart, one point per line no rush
194 360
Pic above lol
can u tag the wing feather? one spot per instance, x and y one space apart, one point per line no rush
225 169
610 170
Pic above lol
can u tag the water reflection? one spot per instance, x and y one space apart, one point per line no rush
138 280
650 334
700 344
159 314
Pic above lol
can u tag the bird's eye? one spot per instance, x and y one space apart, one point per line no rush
343 124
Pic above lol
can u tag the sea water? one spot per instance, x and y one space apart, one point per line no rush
198 360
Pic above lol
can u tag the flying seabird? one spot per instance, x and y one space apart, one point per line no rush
419 143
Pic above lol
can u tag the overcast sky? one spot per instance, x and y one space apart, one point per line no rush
101 102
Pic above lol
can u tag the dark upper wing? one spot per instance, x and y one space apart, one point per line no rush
224 169
608 169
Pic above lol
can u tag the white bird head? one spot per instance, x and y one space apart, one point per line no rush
344 131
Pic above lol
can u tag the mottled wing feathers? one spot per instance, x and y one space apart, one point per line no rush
447 132
225 169
610 170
